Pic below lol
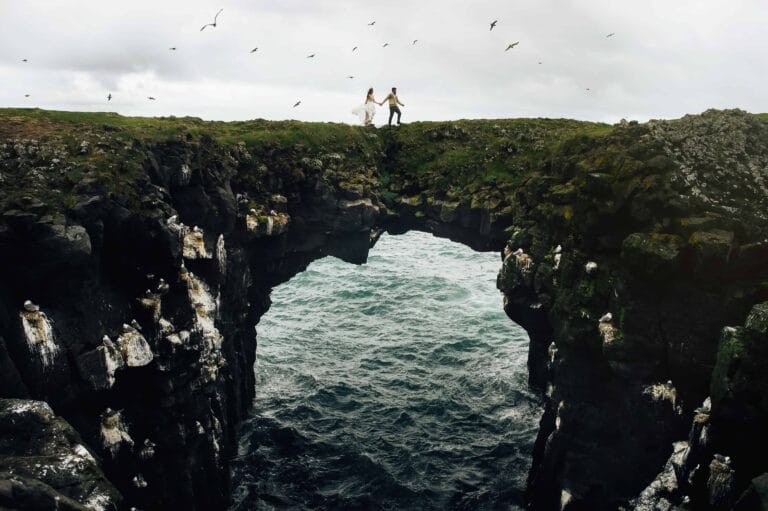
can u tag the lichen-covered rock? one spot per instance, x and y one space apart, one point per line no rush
99 365
739 388
134 348
664 494
40 340
721 484
655 256
114 433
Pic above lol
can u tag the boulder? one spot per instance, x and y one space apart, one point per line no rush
43 460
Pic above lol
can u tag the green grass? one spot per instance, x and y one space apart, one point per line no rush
253 133
453 159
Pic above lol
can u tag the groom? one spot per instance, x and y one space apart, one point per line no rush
393 108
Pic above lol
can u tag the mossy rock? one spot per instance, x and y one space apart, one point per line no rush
651 254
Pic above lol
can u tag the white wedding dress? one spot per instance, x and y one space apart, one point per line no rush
368 108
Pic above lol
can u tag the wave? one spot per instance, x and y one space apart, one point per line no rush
399 384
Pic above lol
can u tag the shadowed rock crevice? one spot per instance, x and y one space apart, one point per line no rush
148 249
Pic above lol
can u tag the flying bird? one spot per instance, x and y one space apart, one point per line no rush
372 23
610 35
414 42
24 60
26 95
255 50
512 45
151 98
493 24
297 104
172 48
354 49
350 77
385 45
109 97
311 56
215 18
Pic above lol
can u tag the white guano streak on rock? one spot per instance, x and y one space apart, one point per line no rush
38 333
607 332
251 222
185 175
221 255
153 305
114 433
663 392
524 262
206 310
194 244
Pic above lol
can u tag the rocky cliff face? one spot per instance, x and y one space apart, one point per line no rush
148 248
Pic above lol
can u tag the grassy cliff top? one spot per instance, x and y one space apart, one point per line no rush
37 123
58 158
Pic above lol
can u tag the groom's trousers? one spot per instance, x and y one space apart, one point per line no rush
392 110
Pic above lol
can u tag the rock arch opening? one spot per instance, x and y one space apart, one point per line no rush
400 382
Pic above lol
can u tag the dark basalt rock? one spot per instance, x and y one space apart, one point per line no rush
44 463
151 251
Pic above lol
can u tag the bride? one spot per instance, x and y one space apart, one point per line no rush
366 111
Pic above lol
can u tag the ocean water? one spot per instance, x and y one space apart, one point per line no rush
399 384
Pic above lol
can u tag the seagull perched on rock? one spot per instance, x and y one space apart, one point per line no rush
255 50
512 45
215 18
297 104
30 307
493 24
607 318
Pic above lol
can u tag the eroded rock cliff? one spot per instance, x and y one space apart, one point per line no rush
147 249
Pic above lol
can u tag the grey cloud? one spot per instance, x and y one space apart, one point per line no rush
665 59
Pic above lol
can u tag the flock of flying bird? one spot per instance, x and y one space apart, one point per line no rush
214 24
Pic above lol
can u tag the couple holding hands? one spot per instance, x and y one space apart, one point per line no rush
367 111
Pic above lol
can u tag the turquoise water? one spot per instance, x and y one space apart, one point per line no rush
398 384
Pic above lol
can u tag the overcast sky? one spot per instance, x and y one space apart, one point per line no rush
667 57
